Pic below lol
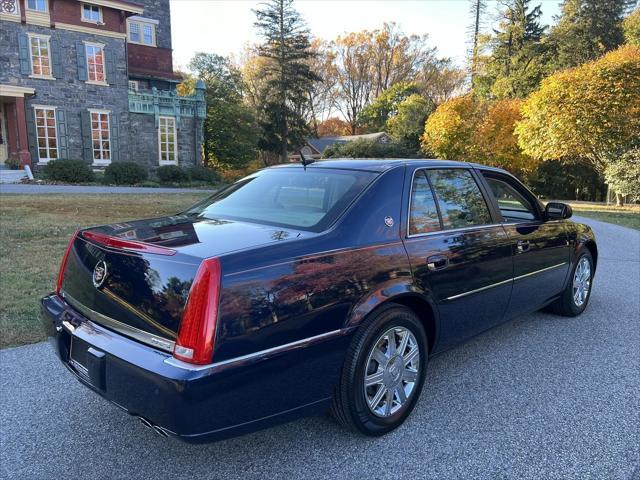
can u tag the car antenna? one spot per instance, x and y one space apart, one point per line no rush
305 161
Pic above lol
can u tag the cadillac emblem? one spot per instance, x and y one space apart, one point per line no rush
99 274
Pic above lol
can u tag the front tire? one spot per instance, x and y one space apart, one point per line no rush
575 298
383 373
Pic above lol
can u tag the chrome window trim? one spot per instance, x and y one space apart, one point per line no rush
127 330
256 356
438 232
503 282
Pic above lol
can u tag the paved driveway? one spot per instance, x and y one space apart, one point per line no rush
540 397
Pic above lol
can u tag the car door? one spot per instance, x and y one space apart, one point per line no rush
541 251
459 255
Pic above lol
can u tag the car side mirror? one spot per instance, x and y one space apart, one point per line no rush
557 211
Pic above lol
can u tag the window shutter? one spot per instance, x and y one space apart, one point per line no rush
23 47
31 135
81 60
115 136
87 144
56 58
110 66
63 138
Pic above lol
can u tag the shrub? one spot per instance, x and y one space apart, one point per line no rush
125 173
172 173
12 163
366 148
203 174
71 171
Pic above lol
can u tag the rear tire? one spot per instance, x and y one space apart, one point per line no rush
576 295
383 372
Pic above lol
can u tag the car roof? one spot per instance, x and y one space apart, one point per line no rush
382 164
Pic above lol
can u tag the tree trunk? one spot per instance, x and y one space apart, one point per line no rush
619 200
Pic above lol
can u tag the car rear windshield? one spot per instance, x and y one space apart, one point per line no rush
307 199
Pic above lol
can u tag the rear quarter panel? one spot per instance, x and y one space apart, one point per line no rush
295 290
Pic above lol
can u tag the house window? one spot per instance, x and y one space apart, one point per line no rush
167 141
100 137
40 56
142 32
10 7
91 13
95 62
37 5
46 133
133 85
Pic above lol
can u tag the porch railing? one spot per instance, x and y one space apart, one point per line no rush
160 103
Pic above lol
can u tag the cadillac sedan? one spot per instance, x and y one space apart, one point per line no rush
304 288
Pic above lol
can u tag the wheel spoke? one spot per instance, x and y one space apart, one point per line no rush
402 396
389 402
409 375
380 357
411 356
373 403
374 379
404 342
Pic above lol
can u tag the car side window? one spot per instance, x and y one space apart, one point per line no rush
459 198
424 213
512 204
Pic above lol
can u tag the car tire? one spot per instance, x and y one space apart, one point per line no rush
354 404
570 304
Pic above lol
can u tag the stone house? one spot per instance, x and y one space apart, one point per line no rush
93 80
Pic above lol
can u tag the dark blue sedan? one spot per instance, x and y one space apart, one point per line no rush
303 288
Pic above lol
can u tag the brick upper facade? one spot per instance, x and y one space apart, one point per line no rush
93 80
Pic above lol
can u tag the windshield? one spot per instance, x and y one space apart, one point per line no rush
307 199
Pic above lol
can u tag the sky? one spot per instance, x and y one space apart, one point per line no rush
226 26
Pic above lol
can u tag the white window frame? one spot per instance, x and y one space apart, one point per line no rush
165 144
134 86
88 45
101 161
141 23
40 38
46 137
26 6
100 21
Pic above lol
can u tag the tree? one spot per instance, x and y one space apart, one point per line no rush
288 76
230 137
322 94
591 112
333 127
353 63
477 9
623 176
407 125
586 29
374 117
440 80
514 67
449 130
631 28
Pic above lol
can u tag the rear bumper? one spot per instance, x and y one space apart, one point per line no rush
196 404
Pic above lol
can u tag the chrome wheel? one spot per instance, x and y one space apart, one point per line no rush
391 371
581 281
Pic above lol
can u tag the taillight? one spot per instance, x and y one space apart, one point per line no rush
198 326
123 244
63 264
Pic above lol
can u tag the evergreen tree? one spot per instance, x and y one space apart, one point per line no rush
287 50
477 9
514 68
587 29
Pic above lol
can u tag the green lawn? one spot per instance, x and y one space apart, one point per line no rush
34 232
627 216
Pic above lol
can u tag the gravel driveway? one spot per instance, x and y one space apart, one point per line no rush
540 397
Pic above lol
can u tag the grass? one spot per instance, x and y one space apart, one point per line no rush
627 216
34 232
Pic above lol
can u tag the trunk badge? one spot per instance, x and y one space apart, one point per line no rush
99 273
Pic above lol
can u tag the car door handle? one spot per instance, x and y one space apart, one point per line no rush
522 246
437 262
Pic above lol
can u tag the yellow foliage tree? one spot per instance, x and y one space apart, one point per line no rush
591 112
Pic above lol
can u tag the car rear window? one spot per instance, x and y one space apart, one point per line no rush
307 199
